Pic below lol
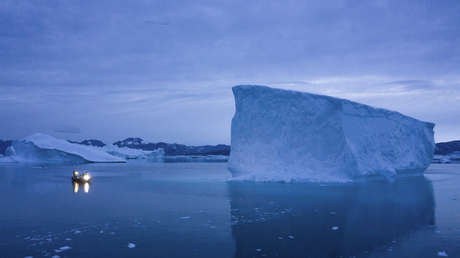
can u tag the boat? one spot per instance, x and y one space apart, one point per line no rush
81 178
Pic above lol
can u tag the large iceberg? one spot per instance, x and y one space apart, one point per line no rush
42 148
282 135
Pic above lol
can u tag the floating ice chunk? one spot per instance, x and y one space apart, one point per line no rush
55 256
131 245
186 217
28 257
335 228
291 237
258 250
62 249
281 135
101 232
77 231
442 254
68 239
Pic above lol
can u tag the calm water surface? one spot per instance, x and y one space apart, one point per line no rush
190 210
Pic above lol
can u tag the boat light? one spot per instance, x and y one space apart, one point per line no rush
86 177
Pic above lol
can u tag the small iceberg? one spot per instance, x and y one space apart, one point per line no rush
42 148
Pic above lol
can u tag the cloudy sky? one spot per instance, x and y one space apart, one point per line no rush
163 70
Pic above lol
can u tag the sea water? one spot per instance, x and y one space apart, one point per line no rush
192 210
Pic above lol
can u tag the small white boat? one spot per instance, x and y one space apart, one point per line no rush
81 178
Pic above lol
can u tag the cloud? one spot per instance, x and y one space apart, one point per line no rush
113 61
156 21
410 85
68 130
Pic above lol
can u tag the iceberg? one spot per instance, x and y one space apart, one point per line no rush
283 135
42 148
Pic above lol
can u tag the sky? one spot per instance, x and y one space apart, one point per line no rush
163 70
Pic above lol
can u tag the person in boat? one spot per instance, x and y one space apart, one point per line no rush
75 175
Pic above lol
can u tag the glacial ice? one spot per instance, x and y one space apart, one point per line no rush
283 135
42 148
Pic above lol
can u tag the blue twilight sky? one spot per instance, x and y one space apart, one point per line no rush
163 70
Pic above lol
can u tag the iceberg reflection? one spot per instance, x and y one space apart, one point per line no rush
314 220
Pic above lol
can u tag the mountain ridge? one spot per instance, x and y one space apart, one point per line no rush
442 148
